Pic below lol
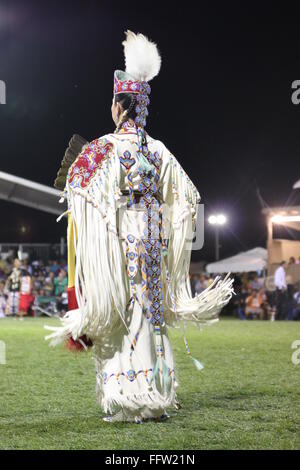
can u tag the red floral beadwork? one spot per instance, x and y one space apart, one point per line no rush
87 162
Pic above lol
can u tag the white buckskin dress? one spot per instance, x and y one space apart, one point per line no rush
133 247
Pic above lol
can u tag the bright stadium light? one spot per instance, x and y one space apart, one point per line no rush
216 220
212 219
221 219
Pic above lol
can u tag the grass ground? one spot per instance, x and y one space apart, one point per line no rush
247 396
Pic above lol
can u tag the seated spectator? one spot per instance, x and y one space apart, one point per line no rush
49 284
209 281
200 284
39 280
266 306
54 268
255 283
35 268
254 304
60 282
62 304
240 301
64 265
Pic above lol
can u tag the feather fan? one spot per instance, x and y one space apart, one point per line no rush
74 148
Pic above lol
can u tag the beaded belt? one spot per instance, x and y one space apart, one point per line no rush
139 194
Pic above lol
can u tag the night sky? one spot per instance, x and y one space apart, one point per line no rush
222 102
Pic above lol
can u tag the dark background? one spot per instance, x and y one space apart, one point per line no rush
221 104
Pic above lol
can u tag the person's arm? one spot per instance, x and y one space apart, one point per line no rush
284 279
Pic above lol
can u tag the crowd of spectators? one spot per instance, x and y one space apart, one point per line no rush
254 300
48 291
48 285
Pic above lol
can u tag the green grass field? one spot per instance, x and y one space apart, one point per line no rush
247 396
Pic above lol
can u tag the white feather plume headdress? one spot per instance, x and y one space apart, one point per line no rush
142 58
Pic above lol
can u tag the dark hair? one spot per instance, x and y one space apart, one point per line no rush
127 101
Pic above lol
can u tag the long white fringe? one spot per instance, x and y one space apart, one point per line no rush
71 326
101 283
182 197
137 401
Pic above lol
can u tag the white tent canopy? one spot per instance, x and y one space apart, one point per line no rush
246 261
296 185
30 194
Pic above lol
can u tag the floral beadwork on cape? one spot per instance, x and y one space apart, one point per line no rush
85 166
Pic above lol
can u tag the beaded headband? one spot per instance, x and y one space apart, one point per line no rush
125 83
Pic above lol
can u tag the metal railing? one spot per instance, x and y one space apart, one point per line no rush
44 251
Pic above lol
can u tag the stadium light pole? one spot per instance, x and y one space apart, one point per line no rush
216 221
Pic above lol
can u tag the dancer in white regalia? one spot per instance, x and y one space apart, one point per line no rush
132 211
